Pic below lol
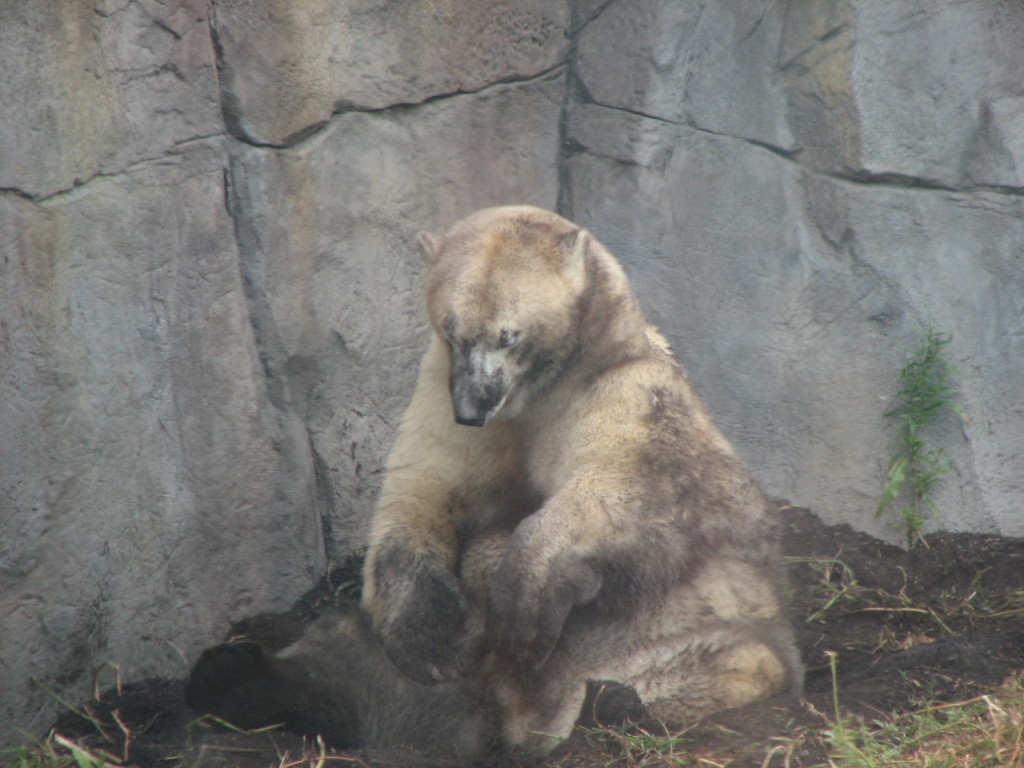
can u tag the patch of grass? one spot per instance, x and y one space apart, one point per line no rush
640 748
926 390
57 752
981 732
37 756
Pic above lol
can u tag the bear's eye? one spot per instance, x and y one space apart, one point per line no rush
507 339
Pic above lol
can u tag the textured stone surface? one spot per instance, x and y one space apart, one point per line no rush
91 88
149 485
939 90
210 309
287 66
688 62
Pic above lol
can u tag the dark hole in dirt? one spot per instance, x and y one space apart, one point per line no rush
933 624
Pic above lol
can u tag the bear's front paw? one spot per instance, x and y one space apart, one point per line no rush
429 639
528 605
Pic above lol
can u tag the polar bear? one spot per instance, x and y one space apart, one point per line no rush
559 511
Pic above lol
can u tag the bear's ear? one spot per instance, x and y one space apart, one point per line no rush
574 252
430 246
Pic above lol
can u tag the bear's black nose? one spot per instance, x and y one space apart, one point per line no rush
476 396
470 421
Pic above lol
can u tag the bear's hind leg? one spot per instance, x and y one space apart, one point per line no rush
700 683
673 682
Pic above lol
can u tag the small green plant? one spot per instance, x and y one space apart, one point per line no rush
926 390
851 743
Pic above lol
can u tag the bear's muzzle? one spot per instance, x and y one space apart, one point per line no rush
478 390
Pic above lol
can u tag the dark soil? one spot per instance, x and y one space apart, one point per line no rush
938 623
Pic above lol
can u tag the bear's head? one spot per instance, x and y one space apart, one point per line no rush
504 291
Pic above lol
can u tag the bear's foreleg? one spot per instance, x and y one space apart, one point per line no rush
411 590
421 613
557 560
529 605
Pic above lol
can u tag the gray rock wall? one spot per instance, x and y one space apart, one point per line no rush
209 302
210 312
799 191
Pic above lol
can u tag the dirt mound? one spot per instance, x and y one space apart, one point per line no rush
885 630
